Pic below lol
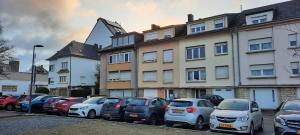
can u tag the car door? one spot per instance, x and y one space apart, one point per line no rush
163 105
203 109
154 107
99 105
255 114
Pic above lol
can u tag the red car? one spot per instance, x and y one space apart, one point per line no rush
62 107
8 103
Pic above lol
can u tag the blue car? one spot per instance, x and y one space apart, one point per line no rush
36 104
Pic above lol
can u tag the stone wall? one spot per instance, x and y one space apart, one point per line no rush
285 93
242 93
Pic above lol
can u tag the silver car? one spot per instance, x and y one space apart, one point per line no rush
190 111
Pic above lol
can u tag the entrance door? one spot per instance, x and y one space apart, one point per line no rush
266 98
224 93
150 93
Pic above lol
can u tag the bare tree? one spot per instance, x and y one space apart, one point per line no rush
5 51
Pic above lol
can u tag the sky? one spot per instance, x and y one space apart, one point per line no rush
55 23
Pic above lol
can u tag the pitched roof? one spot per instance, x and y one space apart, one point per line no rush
77 49
114 27
282 11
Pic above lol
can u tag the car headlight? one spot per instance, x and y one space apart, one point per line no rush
243 118
280 120
213 116
83 108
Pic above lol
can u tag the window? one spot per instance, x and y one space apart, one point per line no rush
221 48
115 41
120 41
219 23
196 28
113 75
125 40
196 74
151 36
51 68
168 33
262 70
125 75
131 39
260 44
222 72
295 68
62 79
293 40
50 81
124 57
9 88
113 59
64 65
149 76
259 19
82 79
168 76
150 57
168 55
193 53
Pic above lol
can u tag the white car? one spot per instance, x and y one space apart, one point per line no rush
90 108
238 116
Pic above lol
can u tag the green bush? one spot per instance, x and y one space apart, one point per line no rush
42 90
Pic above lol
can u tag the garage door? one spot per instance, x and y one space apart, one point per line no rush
225 93
150 93
116 93
266 98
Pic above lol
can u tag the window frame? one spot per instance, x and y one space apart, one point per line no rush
218 19
221 44
260 45
150 61
154 71
52 68
193 70
172 58
64 65
199 53
224 66
296 40
172 77
194 28
292 69
63 79
261 70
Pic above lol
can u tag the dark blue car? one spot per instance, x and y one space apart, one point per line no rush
36 104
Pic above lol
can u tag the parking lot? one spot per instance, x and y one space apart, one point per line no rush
16 123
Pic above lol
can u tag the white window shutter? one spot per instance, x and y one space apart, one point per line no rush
150 56
168 56
168 76
125 75
222 72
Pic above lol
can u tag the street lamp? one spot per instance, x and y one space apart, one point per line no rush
32 75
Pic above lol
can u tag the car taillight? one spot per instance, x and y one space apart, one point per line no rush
117 107
191 110
166 108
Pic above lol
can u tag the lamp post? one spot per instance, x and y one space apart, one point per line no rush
32 75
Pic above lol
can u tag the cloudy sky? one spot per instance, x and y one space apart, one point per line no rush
54 23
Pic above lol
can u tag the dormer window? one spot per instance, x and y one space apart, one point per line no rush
259 19
219 23
115 42
196 28
151 36
168 33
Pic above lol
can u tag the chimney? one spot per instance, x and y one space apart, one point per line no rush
14 66
154 26
96 45
190 17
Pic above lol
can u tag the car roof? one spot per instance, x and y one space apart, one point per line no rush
237 99
188 99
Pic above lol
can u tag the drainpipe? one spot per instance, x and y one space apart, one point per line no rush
135 70
238 53
70 78
233 60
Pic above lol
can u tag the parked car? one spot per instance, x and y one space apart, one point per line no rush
191 111
90 108
114 108
237 115
62 106
214 99
151 110
8 102
287 119
49 104
36 104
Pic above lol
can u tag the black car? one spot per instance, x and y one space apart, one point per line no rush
214 99
150 110
114 108
287 119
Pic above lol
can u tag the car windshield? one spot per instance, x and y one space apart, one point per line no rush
112 100
138 102
181 103
292 106
91 100
237 105
38 98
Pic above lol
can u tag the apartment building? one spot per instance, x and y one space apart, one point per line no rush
158 61
118 70
267 53
206 57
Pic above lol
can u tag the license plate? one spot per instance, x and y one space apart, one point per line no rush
133 115
222 125
177 111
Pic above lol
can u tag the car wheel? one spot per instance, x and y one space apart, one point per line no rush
91 114
199 124
261 128
251 132
9 107
153 120
169 124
